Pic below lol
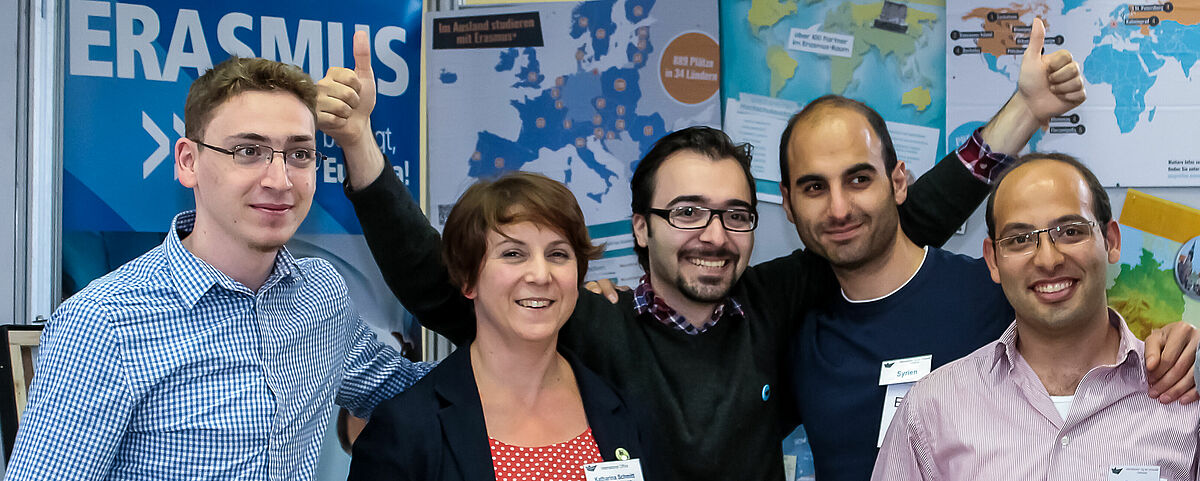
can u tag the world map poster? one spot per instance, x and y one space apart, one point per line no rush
1138 61
577 91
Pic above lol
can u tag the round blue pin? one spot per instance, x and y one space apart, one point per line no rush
766 392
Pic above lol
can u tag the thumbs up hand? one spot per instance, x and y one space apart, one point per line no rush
1050 84
345 98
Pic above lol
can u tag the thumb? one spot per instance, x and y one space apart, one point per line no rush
1033 50
362 54
1152 359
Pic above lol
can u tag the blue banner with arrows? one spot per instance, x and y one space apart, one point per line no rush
128 69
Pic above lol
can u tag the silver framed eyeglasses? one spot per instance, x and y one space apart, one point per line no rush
693 217
255 155
1026 243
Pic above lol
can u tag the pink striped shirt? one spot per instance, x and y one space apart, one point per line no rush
987 416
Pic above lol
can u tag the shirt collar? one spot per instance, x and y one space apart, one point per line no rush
193 277
924 256
1129 351
645 301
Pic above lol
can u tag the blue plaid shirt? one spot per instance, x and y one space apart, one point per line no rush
168 369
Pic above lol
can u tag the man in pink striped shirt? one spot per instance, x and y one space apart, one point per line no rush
1061 394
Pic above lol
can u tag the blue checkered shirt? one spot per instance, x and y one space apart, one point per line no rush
168 369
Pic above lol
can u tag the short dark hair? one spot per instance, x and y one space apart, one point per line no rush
514 197
236 75
705 141
1101 206
832 101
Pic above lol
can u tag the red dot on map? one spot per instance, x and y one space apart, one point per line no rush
499 162
540 122
619 85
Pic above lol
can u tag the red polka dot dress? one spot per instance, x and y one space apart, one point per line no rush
556 462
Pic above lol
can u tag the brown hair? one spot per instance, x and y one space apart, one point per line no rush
236 75
512 198
702 140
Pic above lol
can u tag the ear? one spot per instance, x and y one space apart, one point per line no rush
470 293
900 182
787 201
989 255
186 152
641 230
1112 241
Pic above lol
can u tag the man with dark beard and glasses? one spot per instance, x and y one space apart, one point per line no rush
701 341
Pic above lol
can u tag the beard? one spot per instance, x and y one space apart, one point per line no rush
708 288
867 248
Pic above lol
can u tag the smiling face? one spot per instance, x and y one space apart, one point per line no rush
1057 287
699 265
527 286
840 196
254 207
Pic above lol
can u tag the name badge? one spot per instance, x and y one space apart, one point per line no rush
1133 473
909 369
891 401
899 375
628 470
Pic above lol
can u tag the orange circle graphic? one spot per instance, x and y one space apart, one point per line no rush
690 68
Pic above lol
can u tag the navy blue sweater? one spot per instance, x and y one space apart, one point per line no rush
949 309
713 399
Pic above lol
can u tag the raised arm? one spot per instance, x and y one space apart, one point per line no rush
942 199
404 245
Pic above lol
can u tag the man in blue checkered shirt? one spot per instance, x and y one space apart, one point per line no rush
216 355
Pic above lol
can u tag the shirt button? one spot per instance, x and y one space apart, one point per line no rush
1065 441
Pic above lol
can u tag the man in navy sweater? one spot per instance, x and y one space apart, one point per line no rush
903 309
701 342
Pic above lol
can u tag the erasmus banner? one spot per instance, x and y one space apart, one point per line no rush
128 69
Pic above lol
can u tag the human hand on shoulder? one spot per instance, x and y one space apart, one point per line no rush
606 288
1170 363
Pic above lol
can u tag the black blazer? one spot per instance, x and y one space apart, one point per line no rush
435 430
